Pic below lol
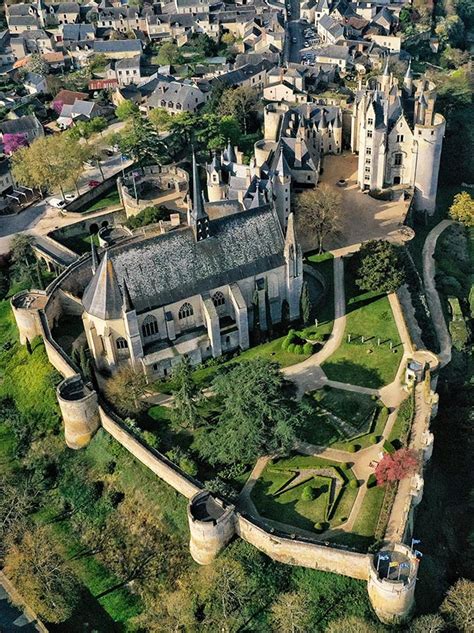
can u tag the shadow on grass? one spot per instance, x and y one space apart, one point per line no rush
89 616
352 373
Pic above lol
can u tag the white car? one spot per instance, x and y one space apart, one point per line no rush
57 203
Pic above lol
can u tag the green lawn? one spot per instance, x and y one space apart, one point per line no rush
112 199
347 405
288 507
367 364
324 312
365 440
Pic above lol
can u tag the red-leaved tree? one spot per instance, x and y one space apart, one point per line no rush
396 466
12 142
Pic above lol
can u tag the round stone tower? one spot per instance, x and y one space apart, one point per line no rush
26 308
429 142
391 585
80 411
272 118
211 524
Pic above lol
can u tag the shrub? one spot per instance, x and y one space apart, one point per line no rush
292 336
307 494
285 343
291 348
353 483
352 448
388 447
345 466
298 349
308 348
319 526
373 439
371 481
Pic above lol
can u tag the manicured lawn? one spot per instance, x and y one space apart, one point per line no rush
324 311
354 408
400 430
289 507
367 364
112 199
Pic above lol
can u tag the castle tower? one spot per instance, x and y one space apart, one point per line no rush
337 132
280 176
211 525
408 80
391 584
197 216
294 269
428 143
80 411
215 184
272 120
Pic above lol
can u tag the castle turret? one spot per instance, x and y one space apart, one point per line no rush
391 585
385 79
408 80
80 411
211 525
215 184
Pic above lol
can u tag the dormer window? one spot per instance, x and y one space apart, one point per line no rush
370 121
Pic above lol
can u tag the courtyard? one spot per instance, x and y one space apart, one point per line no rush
375 218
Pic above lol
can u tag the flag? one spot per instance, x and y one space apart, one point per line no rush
393 564
418 553
404 565
415 541
384 556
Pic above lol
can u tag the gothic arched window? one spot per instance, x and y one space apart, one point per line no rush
185 311
150 326
218 299
121 343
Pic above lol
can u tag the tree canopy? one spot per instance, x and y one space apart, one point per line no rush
257 417
126 388
126 110
50 162
379 267
396 466
319 211
462 209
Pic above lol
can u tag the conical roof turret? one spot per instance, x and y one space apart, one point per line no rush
102 297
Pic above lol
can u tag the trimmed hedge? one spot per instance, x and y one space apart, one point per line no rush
307 494
291 348
298 349
308 348
371 481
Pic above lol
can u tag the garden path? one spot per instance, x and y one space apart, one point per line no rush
432 296
308 375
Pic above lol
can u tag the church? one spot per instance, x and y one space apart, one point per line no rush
198 290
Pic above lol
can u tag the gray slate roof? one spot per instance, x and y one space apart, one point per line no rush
172 267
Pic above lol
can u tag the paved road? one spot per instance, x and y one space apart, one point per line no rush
294 31
12 620
40 218
432 296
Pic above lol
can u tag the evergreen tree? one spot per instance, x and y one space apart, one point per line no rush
379 268
187 396
306 306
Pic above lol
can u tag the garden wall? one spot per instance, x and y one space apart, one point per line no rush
304 553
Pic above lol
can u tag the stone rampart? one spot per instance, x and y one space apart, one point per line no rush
157 463
304 553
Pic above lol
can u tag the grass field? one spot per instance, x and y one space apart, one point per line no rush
367 364
289 507
80 244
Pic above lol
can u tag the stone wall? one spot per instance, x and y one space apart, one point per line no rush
304 553
78 228
153 460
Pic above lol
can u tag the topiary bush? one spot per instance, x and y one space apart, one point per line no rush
291 348
285 343
298 349
353 483
319 527
307 494
374 439
292 336
353 448
371 481
308 348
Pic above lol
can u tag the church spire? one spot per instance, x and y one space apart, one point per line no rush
386 72
408 79
199 219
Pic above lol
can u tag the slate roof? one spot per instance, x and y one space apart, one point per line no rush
117 46
22 125
103 297
77 32
331 26
167 268
175 92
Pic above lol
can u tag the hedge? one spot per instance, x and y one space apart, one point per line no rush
371 481
308 348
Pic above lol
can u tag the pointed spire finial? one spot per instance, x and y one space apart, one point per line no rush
198 205
385 70
409 74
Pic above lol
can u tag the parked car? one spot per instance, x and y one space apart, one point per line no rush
93 183
57 203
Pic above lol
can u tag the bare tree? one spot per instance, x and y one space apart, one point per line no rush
125 390
319 210
458 606
290 613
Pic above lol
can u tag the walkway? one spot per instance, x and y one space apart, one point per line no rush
432 296
308 375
